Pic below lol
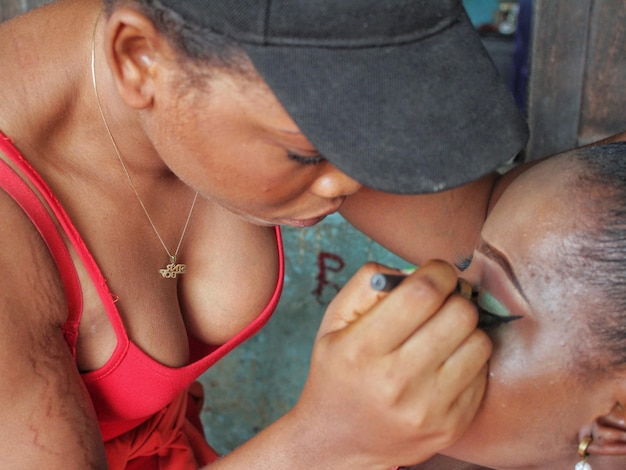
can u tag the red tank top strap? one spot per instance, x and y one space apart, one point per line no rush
15 176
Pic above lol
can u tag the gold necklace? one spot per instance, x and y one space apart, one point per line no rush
172 269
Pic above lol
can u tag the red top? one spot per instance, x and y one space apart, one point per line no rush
131 386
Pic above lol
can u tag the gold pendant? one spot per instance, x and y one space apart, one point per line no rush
172 270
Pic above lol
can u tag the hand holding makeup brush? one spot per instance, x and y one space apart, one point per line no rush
406 370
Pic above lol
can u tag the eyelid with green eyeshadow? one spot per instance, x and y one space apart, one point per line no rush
490 304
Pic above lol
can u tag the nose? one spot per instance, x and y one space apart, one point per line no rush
333 183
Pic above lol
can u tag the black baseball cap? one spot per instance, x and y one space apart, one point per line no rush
401 95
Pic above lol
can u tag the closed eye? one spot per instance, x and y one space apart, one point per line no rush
491 313
489 303
488 320
302 160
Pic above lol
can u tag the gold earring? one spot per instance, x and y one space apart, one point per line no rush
582 451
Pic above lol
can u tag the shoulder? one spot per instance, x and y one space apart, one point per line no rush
44 406
30 278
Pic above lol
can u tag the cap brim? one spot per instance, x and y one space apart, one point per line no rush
418 117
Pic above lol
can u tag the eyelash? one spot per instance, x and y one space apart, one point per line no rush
463 262
487 319
314 160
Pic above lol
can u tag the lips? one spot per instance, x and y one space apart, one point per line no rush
308 222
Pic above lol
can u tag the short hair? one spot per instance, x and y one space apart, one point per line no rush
602 248
195 44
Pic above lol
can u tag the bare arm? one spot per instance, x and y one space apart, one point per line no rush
47 418
421 227
621 137
418 228
388 383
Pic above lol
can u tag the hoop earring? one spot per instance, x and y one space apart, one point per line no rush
582 451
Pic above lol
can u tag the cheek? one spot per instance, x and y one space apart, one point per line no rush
528 414
233 161
256 184
229 170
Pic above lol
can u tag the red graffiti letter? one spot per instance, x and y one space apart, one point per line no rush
327 262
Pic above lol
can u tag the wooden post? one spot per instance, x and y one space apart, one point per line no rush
576 89
559 48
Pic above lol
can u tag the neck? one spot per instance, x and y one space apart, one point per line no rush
68 127
30 73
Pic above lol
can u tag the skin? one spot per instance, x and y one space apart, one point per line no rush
429 226
231 142
541 398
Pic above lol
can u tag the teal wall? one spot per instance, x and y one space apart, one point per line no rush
481 11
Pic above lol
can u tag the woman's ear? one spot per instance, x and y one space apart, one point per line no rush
135 51
609 433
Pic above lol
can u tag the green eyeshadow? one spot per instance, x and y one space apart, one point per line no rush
489 303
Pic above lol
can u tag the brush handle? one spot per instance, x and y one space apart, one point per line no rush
387 282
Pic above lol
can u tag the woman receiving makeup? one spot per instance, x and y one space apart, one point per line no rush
553 251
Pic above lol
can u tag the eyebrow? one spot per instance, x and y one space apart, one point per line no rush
494 255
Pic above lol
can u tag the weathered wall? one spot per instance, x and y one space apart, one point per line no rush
578 71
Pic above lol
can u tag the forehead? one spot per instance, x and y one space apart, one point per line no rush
537 224
541 200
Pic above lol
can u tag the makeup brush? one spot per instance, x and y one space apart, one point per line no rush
387 282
